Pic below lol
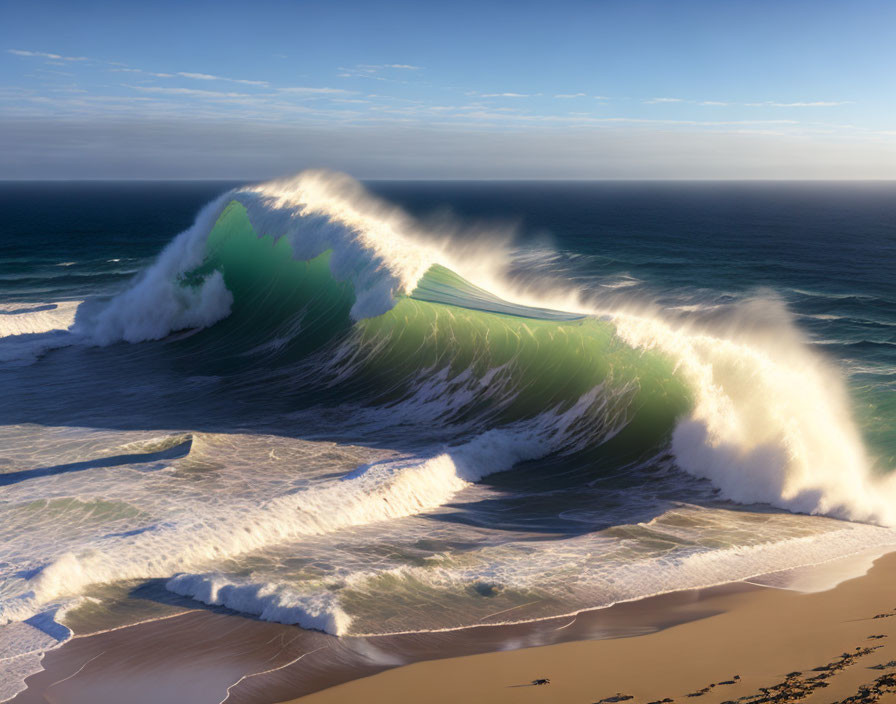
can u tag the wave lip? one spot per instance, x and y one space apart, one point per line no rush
441 285
377 249
319 612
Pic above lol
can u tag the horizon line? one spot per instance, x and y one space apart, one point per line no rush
532 179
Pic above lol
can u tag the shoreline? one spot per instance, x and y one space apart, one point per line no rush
759 645
217 655
211 651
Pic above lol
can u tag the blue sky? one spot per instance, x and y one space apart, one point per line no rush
598 89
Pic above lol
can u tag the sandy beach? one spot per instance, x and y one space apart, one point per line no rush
763 645
721 644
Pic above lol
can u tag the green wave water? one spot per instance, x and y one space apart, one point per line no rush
489 361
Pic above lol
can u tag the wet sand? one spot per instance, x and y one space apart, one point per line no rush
765 645
212 655
738 638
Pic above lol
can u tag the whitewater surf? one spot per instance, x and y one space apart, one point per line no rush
318 409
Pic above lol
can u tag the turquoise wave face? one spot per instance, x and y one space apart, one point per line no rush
449 344
280 305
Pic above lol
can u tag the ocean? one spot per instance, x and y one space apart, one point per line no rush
404 407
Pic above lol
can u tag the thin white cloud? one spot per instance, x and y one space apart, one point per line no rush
199 76
191 75
210 77
310 90
145 73
191 92
569 95
702 123
766 103
505 95
809 104
46 55
374 70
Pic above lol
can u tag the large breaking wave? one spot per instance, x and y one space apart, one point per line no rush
767 420
314 284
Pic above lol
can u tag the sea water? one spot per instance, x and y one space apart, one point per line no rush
420 406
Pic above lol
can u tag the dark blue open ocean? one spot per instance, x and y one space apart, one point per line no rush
420 406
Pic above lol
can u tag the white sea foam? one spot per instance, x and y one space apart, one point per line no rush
206 535
27 330
771 422
543 579
22 647
31 318
822 577
156 303
381 491
271 602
